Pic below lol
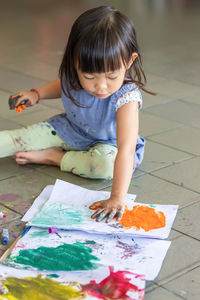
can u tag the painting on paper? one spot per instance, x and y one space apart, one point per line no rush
108 283
80 251
68 208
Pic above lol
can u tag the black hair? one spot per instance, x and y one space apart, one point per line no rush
101 39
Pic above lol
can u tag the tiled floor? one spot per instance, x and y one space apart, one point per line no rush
33 35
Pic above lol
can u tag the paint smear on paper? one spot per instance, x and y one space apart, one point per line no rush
115 286
144 217
54 215
128 250
38 289
67 257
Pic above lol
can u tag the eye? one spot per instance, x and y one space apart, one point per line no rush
112 78
87 77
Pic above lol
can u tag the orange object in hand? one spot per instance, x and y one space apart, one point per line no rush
20 108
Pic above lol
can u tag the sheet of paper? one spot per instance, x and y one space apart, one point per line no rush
38 203
107 282
67 208
77 250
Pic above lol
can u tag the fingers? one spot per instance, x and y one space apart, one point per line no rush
100 214
111 215
97 212
96 205
14 101
120 214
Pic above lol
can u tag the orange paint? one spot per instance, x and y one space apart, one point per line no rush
144 217
20 108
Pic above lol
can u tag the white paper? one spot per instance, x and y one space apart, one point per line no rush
68 208
140 255
38 203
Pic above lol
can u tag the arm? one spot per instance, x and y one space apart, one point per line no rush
127 133
50 90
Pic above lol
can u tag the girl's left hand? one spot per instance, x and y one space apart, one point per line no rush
107 209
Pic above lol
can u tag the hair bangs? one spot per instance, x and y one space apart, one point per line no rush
95 56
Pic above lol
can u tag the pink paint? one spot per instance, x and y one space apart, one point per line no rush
9 197
115 286
52 230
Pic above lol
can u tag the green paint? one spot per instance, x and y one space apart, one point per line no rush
67 257
90 242
53 275
59 215
39 233
38 289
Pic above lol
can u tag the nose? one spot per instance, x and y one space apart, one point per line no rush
101 85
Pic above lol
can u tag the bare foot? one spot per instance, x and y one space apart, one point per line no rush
49 156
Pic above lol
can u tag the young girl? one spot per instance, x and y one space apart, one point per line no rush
97 136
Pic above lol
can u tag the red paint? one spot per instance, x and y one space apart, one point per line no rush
115 286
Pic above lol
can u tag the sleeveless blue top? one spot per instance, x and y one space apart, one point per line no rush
83 127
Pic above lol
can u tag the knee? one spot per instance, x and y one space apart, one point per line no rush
102 162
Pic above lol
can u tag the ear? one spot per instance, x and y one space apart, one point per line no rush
133 57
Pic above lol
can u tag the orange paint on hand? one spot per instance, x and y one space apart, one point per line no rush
20 108
142 217
96 206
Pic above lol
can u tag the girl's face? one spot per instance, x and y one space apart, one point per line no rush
102 85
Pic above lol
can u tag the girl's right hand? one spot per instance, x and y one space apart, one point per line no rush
31 96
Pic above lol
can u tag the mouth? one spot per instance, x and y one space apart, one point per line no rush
101 95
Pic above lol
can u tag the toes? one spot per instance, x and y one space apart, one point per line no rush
21 161
20 154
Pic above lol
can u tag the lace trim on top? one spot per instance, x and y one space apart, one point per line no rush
130 96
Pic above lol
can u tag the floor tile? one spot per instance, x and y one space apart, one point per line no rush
94 184
149 100
183 254
185 173
174 234
154 190
174 88
186 285
161 294
19 192
188 221
151 125
15 81
7 124
185 139
10 168
35 117
192 99
157 156
53 103
171 111
10 215
34 68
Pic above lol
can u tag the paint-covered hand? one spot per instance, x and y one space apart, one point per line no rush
107 209
22 98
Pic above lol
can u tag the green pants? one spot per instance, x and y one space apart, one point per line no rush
96 162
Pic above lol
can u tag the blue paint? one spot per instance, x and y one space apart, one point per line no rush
5 236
